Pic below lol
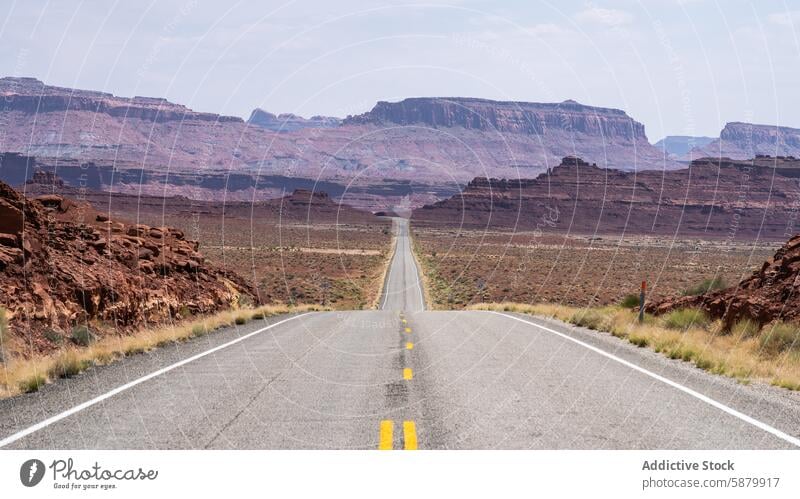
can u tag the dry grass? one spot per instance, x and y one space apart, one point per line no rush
742 356
28 375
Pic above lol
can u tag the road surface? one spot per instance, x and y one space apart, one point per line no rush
401 377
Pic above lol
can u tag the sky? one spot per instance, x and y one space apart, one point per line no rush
681 67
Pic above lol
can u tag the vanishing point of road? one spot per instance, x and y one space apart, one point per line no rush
401 377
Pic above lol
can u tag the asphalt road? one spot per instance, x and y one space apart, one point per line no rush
402 290
401 377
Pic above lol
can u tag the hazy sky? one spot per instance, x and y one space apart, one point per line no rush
678 66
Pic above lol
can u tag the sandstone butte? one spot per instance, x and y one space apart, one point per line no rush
711 198
416 150
62 263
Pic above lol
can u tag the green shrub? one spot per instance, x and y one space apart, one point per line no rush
82 336
68 364
199 330
240 319
53 336
780 337
683 318
32 383
745 328
706 286
630 301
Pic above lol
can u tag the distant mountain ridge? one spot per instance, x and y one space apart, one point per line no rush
406 153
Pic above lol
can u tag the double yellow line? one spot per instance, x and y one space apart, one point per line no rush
386 432
386 440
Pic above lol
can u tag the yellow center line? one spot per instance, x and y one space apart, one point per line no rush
409 346
408 330
409 435
408 373
385 436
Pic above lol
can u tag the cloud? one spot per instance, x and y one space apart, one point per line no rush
788 18
606 17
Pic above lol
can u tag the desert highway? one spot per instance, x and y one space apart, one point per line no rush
401 378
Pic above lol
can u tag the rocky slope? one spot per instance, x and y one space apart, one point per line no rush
63 263
710 198
746 140
402 154
771 293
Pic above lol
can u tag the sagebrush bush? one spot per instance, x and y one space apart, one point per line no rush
82 336
683 318
706 286
630 301
780 337
32 383
68 364
53 336
745 328
199 330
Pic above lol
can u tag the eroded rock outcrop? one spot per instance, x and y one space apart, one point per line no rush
63 263
712 198
745 140
771 293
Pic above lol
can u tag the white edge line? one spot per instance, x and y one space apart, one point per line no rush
58 417
733 412
391 268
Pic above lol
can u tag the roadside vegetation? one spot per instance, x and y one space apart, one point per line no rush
706 286
83 350
3 332
747 352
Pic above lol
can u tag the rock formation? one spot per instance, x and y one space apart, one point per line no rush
746 140
411 152
63 263
771 293
290 122
711 198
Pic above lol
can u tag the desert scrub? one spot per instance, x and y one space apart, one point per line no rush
745 328
780 337
82 336
589 318
32 383
684 318
53 336
68 363
629 301
240 319
706 286
22 375
729 355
